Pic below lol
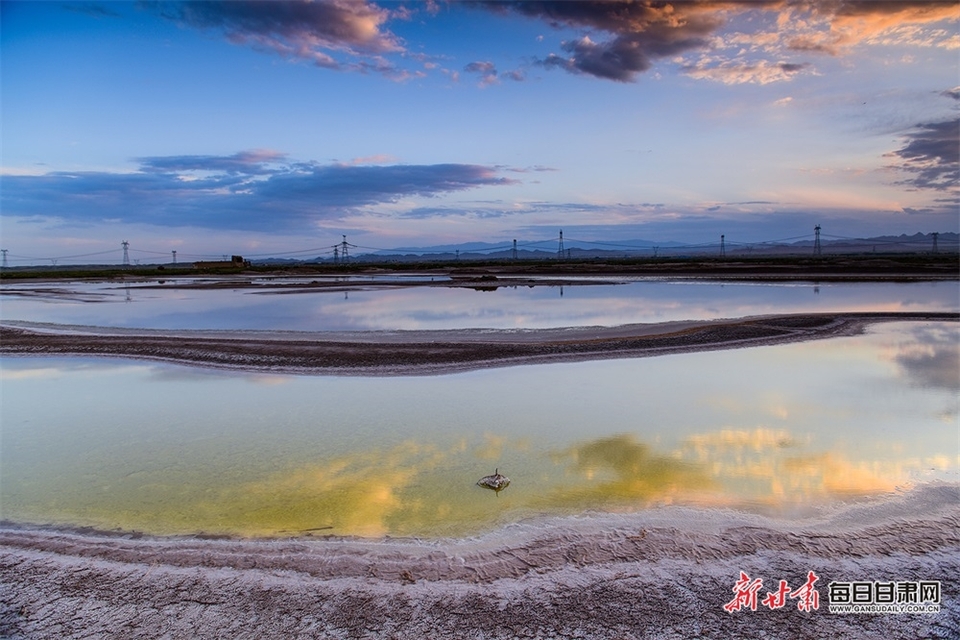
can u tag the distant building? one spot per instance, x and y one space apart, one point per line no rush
235 262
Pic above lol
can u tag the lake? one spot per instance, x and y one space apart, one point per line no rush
374 306
780 430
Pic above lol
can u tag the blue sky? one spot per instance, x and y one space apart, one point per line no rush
269 127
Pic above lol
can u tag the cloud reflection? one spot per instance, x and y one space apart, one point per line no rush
769 467
355 494
23 368
619 470
8 374
430 307
932 358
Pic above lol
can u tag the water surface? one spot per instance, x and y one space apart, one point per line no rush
376 306
781 430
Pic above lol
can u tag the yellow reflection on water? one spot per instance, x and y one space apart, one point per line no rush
772 467
418 489
621 471
354 494
833 474
800 425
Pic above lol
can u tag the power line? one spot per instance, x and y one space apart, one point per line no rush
611 244
290 253
342 250
78 255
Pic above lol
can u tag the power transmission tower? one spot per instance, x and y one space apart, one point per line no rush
336 254
514 250
4 251
934 234
723 248
126 254
817 250
560 248
344 254
174 252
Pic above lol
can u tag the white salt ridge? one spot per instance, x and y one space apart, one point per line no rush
664 573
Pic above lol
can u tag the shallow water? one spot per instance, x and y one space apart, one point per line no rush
778 430
148 304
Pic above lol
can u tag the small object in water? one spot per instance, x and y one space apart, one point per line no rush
496 482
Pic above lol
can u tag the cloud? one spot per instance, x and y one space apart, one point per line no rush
333 34
483 68
642 32
537 168
932 155
486 70
245 162
488 73
742 72
951 93
890 22
249 190
351 186
835 26
617 40
625 39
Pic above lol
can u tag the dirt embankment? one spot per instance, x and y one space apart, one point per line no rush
419 352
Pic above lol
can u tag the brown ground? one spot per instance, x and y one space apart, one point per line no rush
419 352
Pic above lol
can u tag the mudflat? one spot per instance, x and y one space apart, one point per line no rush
429 352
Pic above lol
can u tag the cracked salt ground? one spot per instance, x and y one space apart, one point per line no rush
664 573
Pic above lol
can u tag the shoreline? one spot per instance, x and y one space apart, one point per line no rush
839 267
386 353
665 573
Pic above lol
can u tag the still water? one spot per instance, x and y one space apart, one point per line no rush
381 305
167 449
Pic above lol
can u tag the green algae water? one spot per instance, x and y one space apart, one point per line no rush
164 449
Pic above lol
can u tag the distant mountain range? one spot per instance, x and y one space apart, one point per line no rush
637 248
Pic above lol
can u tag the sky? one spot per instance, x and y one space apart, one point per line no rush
278 128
